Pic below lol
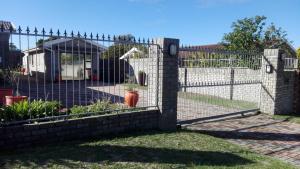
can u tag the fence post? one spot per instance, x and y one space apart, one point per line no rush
185 79
231 83
276 95
163 81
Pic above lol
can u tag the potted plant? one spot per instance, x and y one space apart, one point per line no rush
4 90
13 77
142 78
95 76
131 96
58 77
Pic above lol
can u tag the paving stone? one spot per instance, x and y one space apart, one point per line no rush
260 133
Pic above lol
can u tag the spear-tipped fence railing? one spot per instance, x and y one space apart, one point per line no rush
84 73
217 82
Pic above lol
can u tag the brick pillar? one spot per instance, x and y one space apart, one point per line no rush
297 92
163 82
275 94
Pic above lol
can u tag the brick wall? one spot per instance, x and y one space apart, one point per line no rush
245 92
49 132
297 93
277 86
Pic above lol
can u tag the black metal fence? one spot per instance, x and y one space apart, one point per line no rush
54 75
216 82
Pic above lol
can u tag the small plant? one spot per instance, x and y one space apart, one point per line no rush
130 87
13 77
99 107
24 110
17 111
76 110
40 108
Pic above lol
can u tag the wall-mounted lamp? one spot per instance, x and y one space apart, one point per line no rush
269 69
172 50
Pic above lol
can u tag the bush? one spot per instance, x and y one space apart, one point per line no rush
41 108
99 107
25 110
17 111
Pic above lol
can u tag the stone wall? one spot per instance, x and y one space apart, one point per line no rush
245 92
27 135
277 95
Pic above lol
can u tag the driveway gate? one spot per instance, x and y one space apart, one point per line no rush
217 83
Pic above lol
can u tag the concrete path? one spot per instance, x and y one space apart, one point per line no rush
261 133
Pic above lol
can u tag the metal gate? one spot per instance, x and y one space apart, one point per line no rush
217 83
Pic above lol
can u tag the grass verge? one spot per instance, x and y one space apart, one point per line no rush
181 149
237 104
289 118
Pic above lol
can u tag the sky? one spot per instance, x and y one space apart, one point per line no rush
194 22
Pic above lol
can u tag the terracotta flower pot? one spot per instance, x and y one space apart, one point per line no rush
58 79
131 98
3 93
95 78
10 100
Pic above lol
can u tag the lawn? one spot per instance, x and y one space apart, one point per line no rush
214 100
291 118
181 149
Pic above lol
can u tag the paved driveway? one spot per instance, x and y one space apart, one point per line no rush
260 133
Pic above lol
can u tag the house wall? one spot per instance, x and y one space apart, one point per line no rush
137 65
4 49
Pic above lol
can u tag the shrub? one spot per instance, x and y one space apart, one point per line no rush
25 110
40 108
99 107
17 111
75 110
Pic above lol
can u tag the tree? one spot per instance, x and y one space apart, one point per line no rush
41 41
119 49
12 47
116 51
298 53
254 34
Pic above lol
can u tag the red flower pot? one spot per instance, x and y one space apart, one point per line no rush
3 93
58 79
10 100
131 98
95 78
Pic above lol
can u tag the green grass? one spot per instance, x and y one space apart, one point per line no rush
290 118
218 101
181 149
136 86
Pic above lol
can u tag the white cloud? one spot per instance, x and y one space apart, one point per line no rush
210 3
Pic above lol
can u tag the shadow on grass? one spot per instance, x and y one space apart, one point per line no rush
72 154
252 135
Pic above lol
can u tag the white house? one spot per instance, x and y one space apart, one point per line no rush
63 59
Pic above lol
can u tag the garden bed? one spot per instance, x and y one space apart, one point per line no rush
27 135
41 111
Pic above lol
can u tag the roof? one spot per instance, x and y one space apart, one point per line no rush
68 42
184 53
130 53
6 26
